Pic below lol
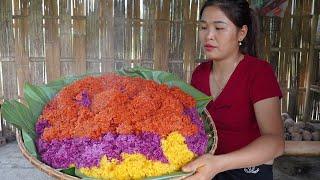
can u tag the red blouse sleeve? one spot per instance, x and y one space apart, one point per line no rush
265 84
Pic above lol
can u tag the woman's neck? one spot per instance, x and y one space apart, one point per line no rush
226 66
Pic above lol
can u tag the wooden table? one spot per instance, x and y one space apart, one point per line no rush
302 148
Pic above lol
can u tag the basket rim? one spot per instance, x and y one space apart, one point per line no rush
38 164
59 175
215 133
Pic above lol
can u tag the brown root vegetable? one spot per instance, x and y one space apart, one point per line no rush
316 136
294 129
287 136
296 136
309 127
306 135
300 125
285 116
289 123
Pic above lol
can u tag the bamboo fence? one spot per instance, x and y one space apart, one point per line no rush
42 40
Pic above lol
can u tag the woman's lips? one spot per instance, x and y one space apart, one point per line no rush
209 47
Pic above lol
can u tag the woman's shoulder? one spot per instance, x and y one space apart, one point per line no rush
203 67
257 65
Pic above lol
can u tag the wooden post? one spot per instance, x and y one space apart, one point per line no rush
162 35
52 44
79 37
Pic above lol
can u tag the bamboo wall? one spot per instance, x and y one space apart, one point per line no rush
42 40
290 45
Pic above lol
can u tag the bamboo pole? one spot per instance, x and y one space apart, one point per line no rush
8 68
52 44
285 56
161 35
5 37
136 48
79 37
310 63
21 48
190 17
106 16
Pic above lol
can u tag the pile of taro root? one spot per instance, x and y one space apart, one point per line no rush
300 131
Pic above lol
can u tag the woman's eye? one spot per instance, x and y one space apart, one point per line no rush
218 29
203 27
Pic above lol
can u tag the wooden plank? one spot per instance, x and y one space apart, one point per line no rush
79 37
302 148
161 35
52 44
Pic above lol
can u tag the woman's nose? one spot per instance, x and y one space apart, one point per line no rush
210 34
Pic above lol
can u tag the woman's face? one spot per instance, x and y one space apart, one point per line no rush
218 35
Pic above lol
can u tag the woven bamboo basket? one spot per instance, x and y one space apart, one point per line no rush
59 175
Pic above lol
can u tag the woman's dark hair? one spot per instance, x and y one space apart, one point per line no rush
239 12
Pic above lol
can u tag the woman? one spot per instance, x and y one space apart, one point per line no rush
246 105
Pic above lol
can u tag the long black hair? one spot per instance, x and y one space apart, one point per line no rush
239 12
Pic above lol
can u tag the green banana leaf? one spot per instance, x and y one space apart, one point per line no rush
20 116
169 79
29 144
24 117
82 176
171 175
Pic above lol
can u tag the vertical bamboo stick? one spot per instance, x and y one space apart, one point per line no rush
79 37
190 17
106 16
52 44
161 35
21 48
136 33
128 32
285 56
310 63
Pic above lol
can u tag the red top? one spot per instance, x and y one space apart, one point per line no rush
232 111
